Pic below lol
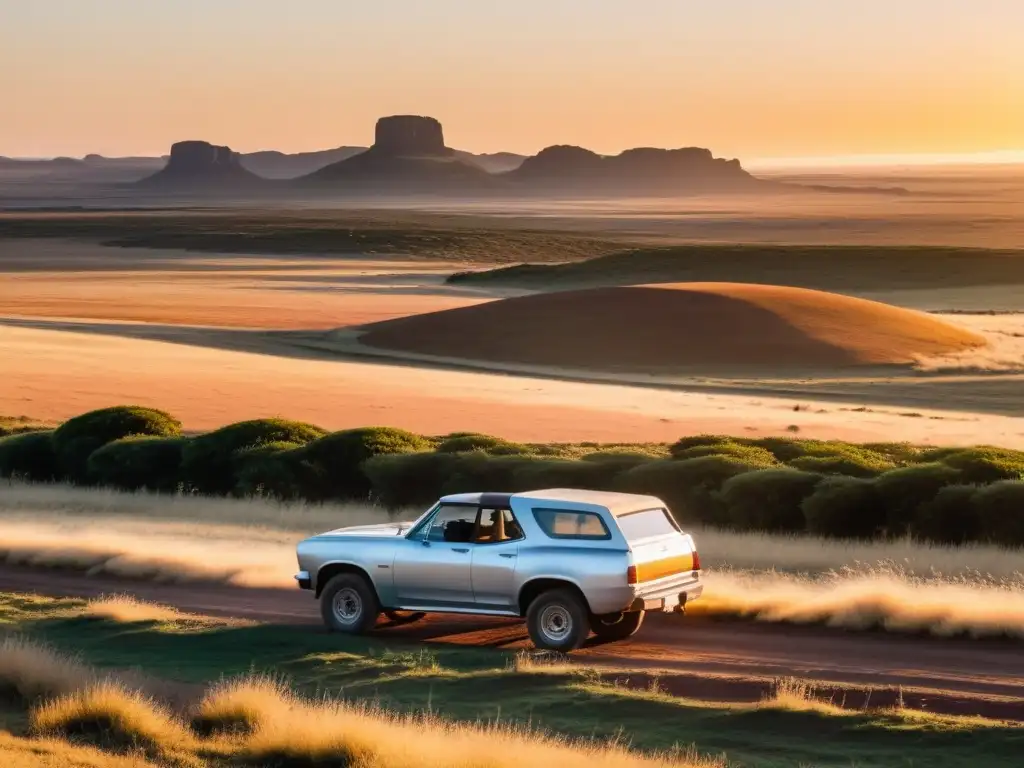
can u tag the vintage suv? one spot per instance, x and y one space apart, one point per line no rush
569 561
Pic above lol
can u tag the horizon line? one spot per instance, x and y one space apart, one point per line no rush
769 162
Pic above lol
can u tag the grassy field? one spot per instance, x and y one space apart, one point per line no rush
829 267
176 657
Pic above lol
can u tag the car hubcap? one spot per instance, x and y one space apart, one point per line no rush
347 606
555 623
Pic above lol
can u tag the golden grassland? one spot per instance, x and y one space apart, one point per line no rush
259 721
59 707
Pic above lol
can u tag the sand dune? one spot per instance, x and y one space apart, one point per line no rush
678 326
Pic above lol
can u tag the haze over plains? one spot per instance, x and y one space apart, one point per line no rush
823 79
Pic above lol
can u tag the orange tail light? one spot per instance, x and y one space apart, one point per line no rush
696 561
631 575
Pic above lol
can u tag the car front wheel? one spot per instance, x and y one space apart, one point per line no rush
617 626
349 604
558 621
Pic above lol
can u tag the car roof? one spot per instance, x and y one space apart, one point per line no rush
481 499
616 503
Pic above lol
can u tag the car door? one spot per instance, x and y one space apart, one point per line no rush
495 555
433 565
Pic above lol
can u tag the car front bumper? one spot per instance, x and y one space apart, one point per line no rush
304 580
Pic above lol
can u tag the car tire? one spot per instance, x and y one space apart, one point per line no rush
617 627
349 604
558 620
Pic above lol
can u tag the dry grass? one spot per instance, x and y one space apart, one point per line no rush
975 563
73 506
794 695
30 671
111 716
296 732
871 598
128 609
240 706
56 753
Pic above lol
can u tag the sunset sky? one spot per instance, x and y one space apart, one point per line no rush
748 78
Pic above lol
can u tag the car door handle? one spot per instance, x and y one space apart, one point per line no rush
506 554
460 549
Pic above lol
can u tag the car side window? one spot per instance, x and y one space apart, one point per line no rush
570 524
453 523
495 526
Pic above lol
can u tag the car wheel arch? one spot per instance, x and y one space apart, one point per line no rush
537 586
328 571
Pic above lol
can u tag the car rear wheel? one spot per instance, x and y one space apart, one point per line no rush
558 621
349 604
617 626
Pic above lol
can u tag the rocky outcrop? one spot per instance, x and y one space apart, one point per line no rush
408 156
410 136
642 170
201 157
201 164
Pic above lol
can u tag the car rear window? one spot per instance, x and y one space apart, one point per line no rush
570 524
644 525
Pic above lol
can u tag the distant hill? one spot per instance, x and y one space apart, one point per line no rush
272 164
643 170
408 155
201 166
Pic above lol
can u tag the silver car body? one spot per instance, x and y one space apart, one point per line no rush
641 563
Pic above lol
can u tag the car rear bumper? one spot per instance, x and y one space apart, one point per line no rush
668 594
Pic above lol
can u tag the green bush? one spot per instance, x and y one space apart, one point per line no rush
618 460
486 443
849 466
567 473
844 507
897 453
410 479
28 456
275 470
76 439
950 518
688 487
986 465
1000 509
477 471
903 490
679 448
785 449
138 462
19 425
208 462
335 461
751 454
768 499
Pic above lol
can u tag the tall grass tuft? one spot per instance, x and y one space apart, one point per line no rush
111 716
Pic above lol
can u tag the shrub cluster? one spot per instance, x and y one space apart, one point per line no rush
782 484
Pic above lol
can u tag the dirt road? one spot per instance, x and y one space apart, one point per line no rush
698 658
